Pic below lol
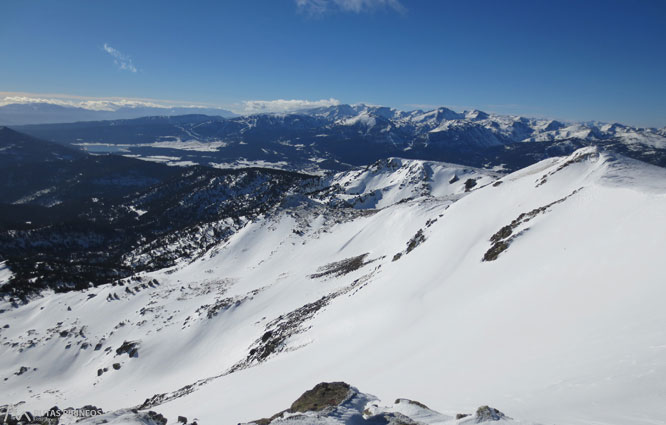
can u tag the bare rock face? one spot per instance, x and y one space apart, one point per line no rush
129 347
323 395
487 414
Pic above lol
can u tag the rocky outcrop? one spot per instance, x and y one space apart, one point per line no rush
487 414
330 403
323 395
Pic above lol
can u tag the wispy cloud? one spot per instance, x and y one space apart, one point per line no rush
123 61
319 7
283 105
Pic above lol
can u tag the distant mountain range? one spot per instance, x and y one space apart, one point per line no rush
338 137
48 113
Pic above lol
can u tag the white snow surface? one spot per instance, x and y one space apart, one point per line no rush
393 180
5 273
566 326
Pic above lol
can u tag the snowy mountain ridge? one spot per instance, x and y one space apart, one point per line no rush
403 281
500 128
394 180
337 138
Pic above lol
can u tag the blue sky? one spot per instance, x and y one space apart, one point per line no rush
576 60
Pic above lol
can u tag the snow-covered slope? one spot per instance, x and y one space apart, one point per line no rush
5 273
393 180
540 293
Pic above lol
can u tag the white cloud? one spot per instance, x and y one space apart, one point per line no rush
284 105
318 7
123 62
8 100
114 103
92 103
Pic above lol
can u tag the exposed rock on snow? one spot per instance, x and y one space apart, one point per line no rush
129 347
342 267
487 414
504 236
322 396
338 403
